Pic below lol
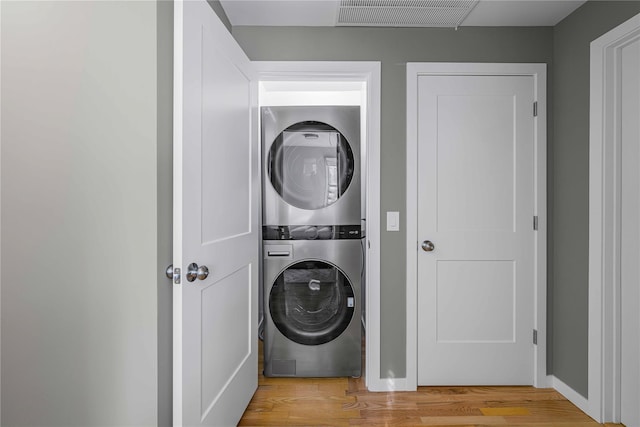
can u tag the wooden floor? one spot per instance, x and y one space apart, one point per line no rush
340 402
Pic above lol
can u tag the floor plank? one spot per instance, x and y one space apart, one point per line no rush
345 402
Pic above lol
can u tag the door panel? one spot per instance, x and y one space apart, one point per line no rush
475 180
216 207
226 107
219 361
475 203
487 313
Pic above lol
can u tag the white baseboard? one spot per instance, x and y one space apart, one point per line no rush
571 395
390 384
401 384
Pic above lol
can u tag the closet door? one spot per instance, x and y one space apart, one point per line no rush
475 208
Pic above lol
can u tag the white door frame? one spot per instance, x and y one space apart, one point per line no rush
539 74
368 72
603 403
0 223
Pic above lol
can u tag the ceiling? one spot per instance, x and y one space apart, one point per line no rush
325 13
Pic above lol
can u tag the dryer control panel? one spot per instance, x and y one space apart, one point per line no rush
311 232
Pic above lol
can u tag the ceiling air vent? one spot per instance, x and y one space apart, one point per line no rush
404 13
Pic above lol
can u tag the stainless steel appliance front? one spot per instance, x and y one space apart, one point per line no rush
313 306
311 159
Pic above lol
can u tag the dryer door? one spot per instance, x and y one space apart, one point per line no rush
311 302
310 165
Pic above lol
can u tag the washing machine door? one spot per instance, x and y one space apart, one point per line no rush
310 165
311 302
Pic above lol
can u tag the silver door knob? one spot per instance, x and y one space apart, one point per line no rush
194 272
428 246
169 272
203 272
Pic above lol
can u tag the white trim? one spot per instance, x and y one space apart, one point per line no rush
178 94
391 384
0 218
569 393
412 224
368 72
538 72
604 209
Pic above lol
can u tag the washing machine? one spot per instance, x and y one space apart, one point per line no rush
313 306
311 166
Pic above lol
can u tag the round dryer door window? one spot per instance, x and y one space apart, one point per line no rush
311 302
310 164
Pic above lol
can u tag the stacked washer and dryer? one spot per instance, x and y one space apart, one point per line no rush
313 254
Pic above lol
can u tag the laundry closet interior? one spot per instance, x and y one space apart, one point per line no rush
312 281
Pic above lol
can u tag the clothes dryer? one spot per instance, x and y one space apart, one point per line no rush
313 308
311 166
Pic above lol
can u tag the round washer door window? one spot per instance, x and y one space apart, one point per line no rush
311 302
310 165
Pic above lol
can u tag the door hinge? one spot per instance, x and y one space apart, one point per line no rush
535 222
535 337
535 109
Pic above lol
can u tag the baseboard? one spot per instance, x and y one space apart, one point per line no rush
390 384
401 384
571 395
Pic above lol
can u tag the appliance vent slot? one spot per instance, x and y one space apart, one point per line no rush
404 13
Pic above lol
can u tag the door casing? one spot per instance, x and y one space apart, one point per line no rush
603 402
538 72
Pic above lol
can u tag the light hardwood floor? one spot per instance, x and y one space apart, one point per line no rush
341 402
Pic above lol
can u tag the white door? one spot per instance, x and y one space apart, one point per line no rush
216 207
630 235
475 206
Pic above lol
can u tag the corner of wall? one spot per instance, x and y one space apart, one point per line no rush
219 10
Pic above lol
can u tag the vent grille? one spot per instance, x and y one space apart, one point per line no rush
404 13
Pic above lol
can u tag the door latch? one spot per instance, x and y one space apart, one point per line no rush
173 274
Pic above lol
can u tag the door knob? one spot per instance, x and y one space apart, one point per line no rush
194 272
169 272
203 272
428 246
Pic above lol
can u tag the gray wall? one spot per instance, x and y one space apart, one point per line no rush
394 48
165 212
570 216
79 208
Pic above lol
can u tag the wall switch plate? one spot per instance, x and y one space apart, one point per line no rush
393 221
